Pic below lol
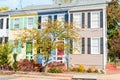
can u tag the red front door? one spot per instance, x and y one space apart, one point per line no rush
60 50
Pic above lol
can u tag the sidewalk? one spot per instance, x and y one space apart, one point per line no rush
58 76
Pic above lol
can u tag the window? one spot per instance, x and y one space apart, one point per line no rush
1 23
77 46
16 23
77 19
30 22
44 20
95 20
60 18
95 46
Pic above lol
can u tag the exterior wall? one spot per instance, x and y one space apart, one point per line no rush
59 15
85 7
13 33
4 32
87 59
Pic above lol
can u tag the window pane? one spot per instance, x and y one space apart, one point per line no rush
77 20
95 20
44 20
60 17
95 46
30 22
78 46
16 23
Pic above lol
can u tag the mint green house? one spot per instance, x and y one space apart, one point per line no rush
20 20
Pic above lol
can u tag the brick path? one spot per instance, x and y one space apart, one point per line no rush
113 71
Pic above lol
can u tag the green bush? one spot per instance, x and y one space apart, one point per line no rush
15 67
55 70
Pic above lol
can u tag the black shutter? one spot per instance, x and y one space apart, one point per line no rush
6 39
71 46
83 45
71 18
89 45
50 19
55 17
101 19
1 24
101 45
66 18
89 20
39 21
7 24
83 20
1 39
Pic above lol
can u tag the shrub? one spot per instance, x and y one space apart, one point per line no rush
15 67
55 70
101 71
81 68
89 70
73 68
92 69
29 65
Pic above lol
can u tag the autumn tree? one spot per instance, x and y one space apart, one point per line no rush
113 13
45 40
115 48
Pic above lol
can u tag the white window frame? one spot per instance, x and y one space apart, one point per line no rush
43 21
30 26
18 23
59 17
92 26
78 25
77 49
92 52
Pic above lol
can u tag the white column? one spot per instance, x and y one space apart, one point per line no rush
105 38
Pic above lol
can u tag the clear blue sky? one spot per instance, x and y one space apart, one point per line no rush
12 4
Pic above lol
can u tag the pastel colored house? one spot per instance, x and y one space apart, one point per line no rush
89 16
4 26
20 20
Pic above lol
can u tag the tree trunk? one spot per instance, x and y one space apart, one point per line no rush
46 68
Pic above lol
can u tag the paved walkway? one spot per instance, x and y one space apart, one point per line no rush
64 76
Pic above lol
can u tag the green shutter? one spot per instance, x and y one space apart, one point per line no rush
19 47
35 22
25 22
21 23
10 42
11 23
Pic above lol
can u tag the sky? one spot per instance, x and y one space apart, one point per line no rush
12 4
